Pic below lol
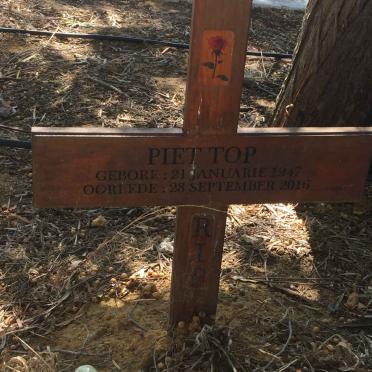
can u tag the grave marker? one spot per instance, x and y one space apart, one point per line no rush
204 167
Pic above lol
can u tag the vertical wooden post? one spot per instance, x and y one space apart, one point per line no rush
215 77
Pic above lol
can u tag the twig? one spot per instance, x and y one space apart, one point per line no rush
265 90
35 352
286 291
309 364
282 279
284 347
44 314
8 78
281 369
134 321
18 330
263 65
290 293
288 340
125 228
107 85
14 129
3 342
73 352
356 325
217 344
154 359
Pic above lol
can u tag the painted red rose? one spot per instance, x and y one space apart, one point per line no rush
217 43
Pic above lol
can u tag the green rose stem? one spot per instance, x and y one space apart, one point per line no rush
215 64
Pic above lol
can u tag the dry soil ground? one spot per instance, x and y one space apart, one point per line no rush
92 286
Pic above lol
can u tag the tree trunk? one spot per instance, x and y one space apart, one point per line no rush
330 83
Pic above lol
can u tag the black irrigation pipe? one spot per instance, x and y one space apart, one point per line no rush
128 39
15 144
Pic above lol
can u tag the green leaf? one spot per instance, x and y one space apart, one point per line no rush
223 77
210 65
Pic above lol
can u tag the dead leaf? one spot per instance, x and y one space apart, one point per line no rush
75 263
352 301
33 271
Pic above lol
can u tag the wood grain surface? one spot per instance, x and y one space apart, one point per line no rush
92 170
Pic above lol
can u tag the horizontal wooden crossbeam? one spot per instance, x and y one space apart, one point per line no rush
94 167
318 131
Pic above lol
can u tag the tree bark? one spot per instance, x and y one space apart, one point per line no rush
330 82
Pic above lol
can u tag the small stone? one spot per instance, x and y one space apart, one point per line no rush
153 274
181 325
150 272
99 295
330 348
124 276
315 330
160 365
86 368
100 221
110 269
113 280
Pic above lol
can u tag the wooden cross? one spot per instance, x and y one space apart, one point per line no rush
204 167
